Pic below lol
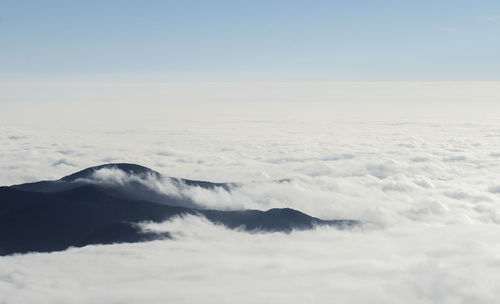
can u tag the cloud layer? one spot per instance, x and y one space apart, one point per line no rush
429 187
210 264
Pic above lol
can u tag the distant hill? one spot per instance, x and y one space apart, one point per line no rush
134 188
54 215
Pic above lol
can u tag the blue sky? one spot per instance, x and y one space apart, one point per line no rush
249 40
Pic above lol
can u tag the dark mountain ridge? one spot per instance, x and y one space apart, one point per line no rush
45 216
132 189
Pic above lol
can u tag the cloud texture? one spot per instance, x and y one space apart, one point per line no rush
428 184
209 264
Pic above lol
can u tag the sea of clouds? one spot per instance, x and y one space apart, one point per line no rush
425 177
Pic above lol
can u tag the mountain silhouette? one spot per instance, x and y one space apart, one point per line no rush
137 188
71 212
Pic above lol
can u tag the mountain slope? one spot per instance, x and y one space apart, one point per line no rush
136 182
31 221
46 216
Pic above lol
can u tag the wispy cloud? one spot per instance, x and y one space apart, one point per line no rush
490 18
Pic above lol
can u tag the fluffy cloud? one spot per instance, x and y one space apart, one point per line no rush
210 264
427 183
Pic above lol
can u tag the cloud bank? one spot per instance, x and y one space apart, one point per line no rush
210 264
428 184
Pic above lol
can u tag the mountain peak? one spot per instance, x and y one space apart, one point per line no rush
54 215
126 167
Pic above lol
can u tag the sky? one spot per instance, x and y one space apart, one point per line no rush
263 41
386 112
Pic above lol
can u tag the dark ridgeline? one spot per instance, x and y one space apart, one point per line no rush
132 189
54 215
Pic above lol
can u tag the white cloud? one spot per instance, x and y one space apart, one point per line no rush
426 177
114 176
210 264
